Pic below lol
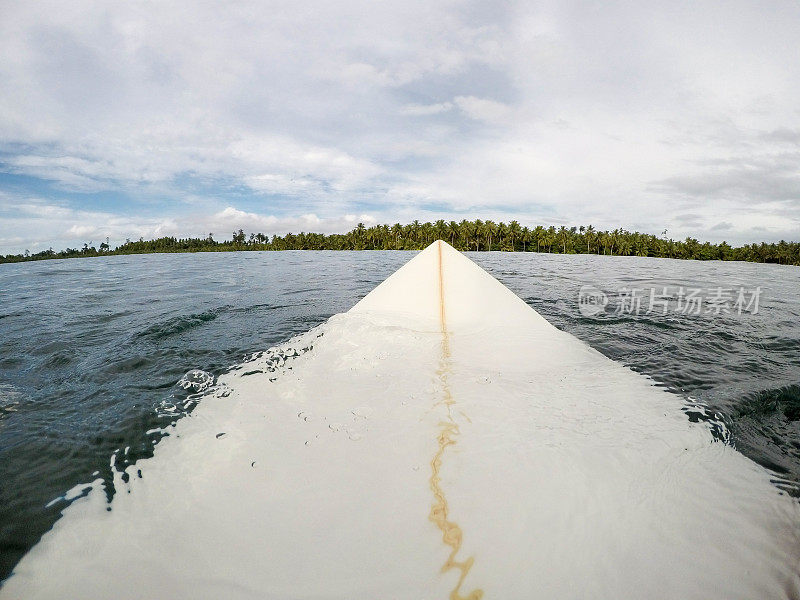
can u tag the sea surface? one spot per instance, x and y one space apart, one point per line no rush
99 356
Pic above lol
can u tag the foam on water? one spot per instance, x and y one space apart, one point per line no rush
388 455
196 380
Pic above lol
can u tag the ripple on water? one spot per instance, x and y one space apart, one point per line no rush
179 324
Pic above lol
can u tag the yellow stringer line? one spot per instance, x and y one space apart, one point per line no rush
448 432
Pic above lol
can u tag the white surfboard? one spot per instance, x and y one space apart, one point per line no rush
441 440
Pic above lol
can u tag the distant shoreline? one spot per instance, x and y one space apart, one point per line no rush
466 235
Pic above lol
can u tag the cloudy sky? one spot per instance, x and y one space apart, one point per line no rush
178 118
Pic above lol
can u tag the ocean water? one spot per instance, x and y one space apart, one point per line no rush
99 356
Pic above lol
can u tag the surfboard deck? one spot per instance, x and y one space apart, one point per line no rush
439 440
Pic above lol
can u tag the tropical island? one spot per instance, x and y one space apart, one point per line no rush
465 235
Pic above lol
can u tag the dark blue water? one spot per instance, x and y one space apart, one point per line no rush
94 353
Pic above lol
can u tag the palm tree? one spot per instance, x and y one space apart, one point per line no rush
526 238
452 228
478 233
550 237
502 235
589 237
441 229
538 234
614 240
427 233
489 229
514 232
415 227
563 236
397 229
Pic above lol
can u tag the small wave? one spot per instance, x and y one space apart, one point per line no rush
302 291
774 343
51 272
256 308
643 320
179 324
129 364
784 400
58 360
112 316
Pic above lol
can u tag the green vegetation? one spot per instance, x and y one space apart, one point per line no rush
466 235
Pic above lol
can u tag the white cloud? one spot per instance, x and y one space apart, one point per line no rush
547 112
482 109
422 110
34 220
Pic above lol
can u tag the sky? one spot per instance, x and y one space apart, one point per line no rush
144 119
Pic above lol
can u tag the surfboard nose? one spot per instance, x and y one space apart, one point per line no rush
441 289
410 296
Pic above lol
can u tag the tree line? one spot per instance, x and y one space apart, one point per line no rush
475 235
